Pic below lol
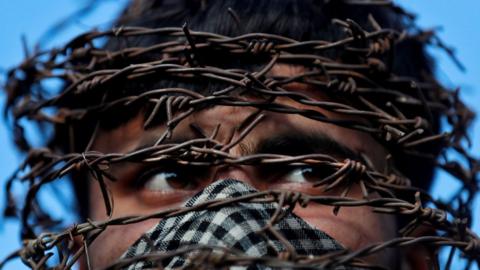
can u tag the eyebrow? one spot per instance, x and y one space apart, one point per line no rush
291 143
302 143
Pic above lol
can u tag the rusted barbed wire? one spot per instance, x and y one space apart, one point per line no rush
396 111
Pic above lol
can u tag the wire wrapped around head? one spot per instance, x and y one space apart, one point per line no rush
107 84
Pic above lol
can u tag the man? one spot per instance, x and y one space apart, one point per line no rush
261 134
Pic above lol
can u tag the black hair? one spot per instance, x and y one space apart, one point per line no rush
297 19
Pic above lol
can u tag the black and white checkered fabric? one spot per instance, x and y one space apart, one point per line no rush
234 226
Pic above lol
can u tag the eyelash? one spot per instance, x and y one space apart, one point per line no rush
196 177
275 174
148 174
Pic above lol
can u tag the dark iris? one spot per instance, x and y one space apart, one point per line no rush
295 174
169 178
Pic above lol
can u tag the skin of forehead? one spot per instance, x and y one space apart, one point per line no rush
126 137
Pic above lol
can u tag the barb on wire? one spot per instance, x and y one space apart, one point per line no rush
101 87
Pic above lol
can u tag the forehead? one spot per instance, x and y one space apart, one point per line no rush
131 135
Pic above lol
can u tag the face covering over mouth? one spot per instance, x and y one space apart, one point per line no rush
236 227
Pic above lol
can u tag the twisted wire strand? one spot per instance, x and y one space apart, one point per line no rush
381 108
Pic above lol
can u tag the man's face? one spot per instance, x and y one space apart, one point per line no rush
143 190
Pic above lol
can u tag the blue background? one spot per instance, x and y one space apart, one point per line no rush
459 21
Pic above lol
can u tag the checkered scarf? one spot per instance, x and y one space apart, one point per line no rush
235 226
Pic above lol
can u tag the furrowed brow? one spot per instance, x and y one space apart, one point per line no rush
150 141
302 143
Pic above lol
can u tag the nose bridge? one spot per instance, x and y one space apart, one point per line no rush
241 173
230 118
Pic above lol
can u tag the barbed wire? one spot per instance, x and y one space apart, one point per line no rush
396 111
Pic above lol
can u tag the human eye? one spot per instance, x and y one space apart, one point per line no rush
304 174
300 178
166 180
167 185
